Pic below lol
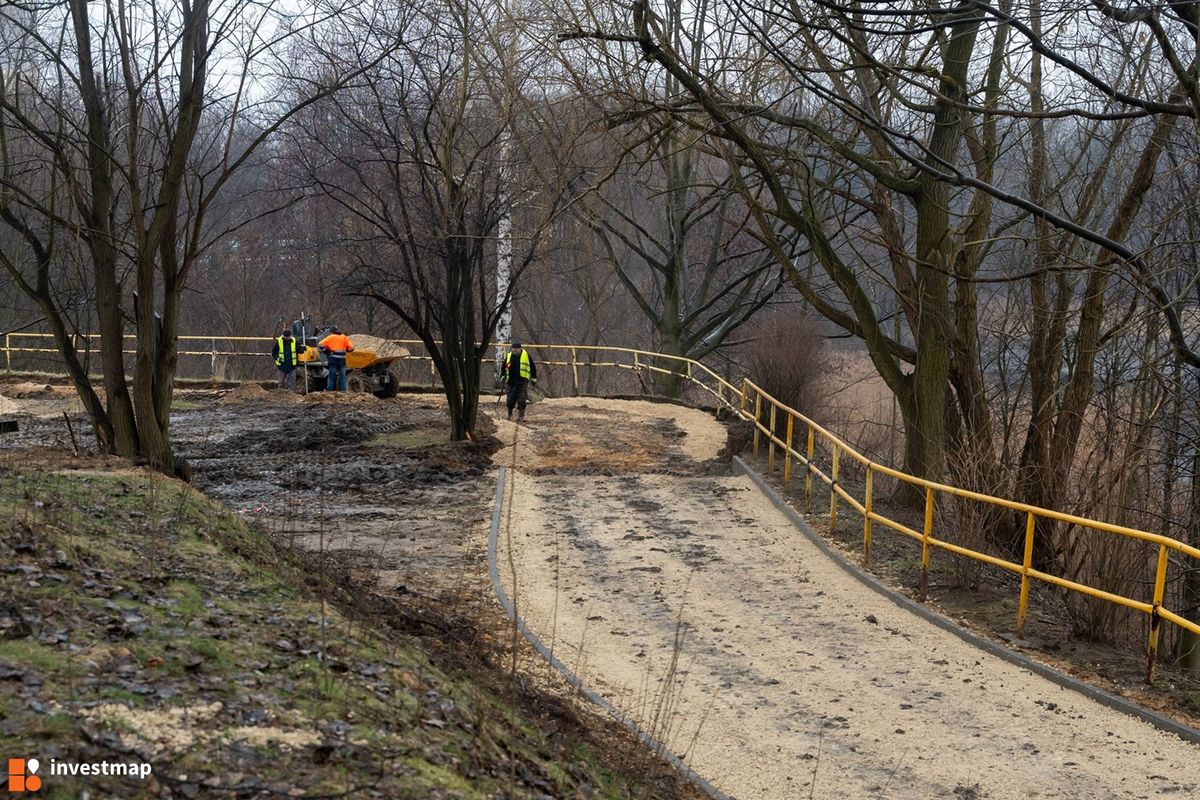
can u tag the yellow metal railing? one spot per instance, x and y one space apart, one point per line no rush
752 403
564 355
764 425
44 343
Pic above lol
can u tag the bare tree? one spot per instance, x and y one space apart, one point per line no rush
675 233
788 159
119 126
420 158
881 140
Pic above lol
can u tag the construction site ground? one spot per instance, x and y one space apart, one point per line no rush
675 590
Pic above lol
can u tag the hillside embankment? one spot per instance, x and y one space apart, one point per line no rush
310 618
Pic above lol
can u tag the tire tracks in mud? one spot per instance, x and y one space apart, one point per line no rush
694 607
322 475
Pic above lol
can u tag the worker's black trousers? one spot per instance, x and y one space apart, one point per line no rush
518 395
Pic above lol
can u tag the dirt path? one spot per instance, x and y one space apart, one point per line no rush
690 602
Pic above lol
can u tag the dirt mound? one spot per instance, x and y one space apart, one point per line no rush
349 398
40 400
54 458
247 392
595 436
27 389
382 348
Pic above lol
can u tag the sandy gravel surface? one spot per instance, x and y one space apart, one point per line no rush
689 601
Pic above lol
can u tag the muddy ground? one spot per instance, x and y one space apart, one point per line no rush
371 483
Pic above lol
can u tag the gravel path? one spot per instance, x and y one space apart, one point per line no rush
684 597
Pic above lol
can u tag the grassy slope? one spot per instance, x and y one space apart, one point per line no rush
141 621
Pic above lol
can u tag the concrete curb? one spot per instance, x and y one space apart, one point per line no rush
904 601
502 595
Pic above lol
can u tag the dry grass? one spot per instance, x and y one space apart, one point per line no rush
858 406
1109 481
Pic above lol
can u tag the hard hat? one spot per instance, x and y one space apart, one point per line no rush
287 333
516 342
335 329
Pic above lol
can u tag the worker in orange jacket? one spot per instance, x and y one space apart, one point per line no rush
336 345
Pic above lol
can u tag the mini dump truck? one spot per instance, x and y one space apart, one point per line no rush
368 366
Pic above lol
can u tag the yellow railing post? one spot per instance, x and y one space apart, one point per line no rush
771 442
720 399
757 412
214 360
833 491
867 516
808 471
1026 565
787 452
925 543
1160 584
742 406
575 371
7 352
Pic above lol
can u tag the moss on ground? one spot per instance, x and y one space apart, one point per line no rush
410 439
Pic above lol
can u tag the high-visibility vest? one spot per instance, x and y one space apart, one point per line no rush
280 358
524 365
338 344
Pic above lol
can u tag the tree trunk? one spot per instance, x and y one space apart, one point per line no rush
101 242
101 424
448 369
925 443
1188 649
670 384
1054 432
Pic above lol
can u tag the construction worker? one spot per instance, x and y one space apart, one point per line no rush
519 372
287 358
336 345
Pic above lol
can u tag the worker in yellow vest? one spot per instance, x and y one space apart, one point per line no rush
519 373
286 355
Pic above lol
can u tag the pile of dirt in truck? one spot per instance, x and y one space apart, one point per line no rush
382 348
